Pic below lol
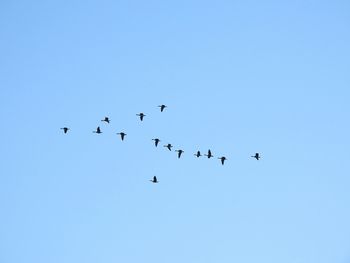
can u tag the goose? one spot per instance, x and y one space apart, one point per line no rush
154 180
179 153
98 130
162 107
198 154
209 154
256 156
141 115
223 158
156 141
106 119
169 146
65 129
122 135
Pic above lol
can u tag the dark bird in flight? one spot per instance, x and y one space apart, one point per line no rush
98 130
156 141
169 146
209 154
106 119
141 115
162 107
198 154
179 153
256 156
65 129
223 158
154 180
122 135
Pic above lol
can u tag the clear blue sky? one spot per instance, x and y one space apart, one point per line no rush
239 77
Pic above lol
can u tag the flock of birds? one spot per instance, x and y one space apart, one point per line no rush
157 140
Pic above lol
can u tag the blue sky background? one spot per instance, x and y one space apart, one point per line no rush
239 77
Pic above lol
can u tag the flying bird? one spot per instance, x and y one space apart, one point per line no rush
209 154
141 115
65 129
223 158
98 130
256 156
154 180
106 119
198 154
179 153
169 146
156 141
162 107
122 135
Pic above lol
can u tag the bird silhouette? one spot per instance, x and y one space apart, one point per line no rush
256 156
65 129
156 141
223 158
162 107
198 154
106 119
141 115
179 153
98 130
169 146
154 180
122 135
209 154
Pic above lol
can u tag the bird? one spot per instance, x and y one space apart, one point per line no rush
198 154
154 180
209 154
141 115
179 153
122 135
223 158
156 141
162 107
256 156
106 119
168 146
65 129
98 130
